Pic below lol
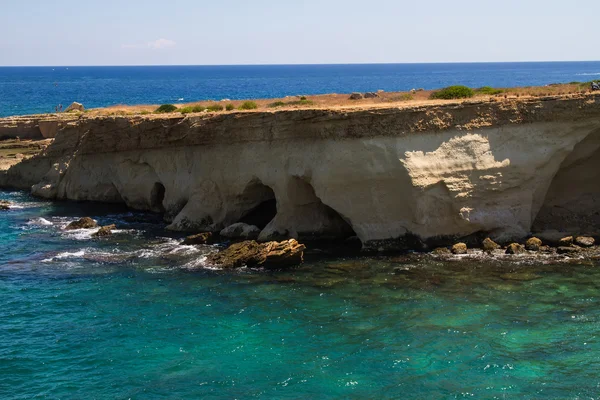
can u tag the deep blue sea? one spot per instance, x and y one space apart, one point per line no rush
136 316
27 90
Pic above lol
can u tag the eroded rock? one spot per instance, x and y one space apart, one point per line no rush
200 238
515 248
75 106
371 95
489 245
459 248
253 254
82 223
4 205
568 250
241 231
585 241
356 96
105 231
566 241
533 244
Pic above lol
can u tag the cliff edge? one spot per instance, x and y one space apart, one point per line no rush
431 172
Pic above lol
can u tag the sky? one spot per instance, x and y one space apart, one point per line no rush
219 32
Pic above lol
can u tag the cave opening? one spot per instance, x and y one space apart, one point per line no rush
157 196
259 204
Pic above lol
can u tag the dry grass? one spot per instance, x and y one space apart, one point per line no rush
336 101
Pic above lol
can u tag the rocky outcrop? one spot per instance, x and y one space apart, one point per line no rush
33 127
459 248
272 255
75 106
515 248
489 245
241 231
201 238
82 223
430 172
4 205
584 241
533 244
104 231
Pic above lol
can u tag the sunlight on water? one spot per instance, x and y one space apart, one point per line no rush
130 317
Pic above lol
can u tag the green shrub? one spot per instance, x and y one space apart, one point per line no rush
488 90
145 112
303 98
300 102
453 92
575 83
248 105
215 107
185 110
166 108
230 107
276 104
197 109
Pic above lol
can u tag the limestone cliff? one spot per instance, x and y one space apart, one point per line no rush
453 169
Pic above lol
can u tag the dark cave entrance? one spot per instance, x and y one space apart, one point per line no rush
157 196
259 203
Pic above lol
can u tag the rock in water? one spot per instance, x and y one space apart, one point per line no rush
489 245
459 248
253 254
567 250
75 106
201 238
585 241
105 231
241 231
4 205
515 248
533 244
566 241
82 223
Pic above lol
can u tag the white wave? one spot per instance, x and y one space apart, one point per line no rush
589 74
80 234
65 255
40 222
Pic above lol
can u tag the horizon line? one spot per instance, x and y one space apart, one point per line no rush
296 64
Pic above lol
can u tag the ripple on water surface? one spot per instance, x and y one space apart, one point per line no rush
133 316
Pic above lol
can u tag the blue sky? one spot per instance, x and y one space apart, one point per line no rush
150 32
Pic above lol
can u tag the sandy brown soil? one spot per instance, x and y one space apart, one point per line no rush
340 101
12 151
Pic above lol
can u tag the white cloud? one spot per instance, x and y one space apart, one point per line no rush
154 45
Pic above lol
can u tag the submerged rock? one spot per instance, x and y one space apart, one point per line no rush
253 254
4 205
82 223
515 248
459 248
568 250
201 238
105 231
533 244
585 241
241 231
489 245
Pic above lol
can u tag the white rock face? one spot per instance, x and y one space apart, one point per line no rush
379 175
241 231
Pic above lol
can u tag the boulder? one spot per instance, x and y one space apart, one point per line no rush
356 96
4 205
585 241
104 231
567 250
459 248
82 223
515 248
566 241
441 251
75 106
371 95
201 238
241 231
533 244
489 245
253 254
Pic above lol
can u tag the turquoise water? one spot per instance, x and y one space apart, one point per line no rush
28 90
136 317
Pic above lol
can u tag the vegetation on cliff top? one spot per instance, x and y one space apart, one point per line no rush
453 92
248 105
166 108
